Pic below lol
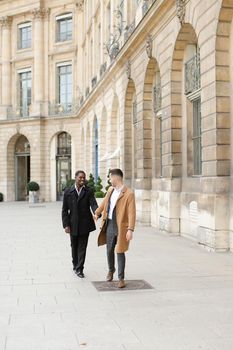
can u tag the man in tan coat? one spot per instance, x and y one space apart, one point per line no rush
118 221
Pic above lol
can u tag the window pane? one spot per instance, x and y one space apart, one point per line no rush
65 85
64 29
25 84
25 37
197 161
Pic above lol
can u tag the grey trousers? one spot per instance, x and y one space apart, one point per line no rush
111 243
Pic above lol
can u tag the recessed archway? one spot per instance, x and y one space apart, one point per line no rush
95 140
185 45
18 167
103 149
88 150
60 163
114 135
152 121
130 150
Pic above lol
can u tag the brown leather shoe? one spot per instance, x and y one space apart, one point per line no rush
121 284
109 277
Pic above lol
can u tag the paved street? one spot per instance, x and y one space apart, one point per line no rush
44 306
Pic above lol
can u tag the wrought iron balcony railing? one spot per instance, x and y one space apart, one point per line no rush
192 74
129 30
18 112
103 68
87 92
94 82
62 109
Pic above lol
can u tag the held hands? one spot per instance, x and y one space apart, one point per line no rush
129 235
95 217
67 229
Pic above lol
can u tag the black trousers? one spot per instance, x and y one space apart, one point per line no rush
78 250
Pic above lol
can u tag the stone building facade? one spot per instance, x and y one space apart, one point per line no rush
143 85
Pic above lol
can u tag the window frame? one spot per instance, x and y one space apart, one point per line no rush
68 35
67 104
24 104
20 28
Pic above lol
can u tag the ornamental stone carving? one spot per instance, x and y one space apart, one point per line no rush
149 45
6 21
180 10
128 69
40 13
80 4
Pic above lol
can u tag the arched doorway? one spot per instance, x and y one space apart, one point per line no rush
22 167
63 162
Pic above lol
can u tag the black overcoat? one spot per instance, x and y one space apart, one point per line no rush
76 210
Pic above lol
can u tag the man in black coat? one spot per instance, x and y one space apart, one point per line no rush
77 219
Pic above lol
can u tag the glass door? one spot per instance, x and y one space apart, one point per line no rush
22 176
63 174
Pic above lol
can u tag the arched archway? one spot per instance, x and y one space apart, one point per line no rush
18 167
87 150
185 106
114 135
130 124
60 163
103 151
152 121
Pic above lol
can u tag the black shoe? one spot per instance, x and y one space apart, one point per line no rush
80 274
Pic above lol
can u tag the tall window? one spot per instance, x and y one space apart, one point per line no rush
197 136
63 144
64 27
24 35
134 136
96 149
157 102
25 92
193 94
65 86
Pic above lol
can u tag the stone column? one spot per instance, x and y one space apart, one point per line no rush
6 63
94 51
38 72
102 19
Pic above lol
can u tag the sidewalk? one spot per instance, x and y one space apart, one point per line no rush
44 306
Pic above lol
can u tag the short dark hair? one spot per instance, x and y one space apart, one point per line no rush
80 172
117 172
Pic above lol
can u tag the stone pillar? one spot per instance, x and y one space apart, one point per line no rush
6 63
102 18
94 50
38 14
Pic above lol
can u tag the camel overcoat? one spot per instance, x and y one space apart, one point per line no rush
125 217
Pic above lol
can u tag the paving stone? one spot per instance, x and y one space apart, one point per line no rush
44 306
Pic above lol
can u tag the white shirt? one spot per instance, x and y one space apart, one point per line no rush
114 197
78 190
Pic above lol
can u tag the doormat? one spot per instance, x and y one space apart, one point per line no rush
103 286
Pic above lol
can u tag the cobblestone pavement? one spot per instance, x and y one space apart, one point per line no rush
44 306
